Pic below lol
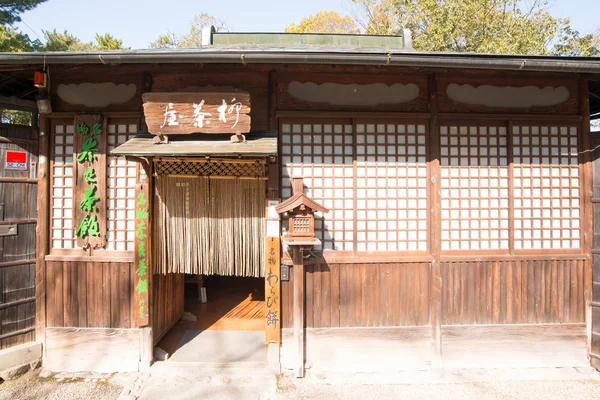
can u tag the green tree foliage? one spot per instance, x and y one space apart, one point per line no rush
108 42
325 22
10 11
12 40
16 117
65 41
482 26
571 43
192 39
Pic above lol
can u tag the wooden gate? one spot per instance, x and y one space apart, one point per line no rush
18 200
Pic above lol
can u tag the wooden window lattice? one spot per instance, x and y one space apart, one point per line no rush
254 168
322 154
475 188
547 188
372 176
62 233
121 181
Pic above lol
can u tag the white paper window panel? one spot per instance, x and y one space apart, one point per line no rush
121 178
325 161
62 188
545 205
392 206
475 201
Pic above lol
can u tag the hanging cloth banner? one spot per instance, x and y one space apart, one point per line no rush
89 158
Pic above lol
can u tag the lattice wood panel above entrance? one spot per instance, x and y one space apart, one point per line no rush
214 168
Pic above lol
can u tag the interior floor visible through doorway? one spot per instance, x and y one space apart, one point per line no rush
235 307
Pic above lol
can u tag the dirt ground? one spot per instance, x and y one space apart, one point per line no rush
32 387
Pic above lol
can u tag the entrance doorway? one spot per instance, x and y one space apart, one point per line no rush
228 328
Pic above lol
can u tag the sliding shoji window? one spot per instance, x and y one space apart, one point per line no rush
372 175
121 181
546 188
322 153
475 187
62 232
391 185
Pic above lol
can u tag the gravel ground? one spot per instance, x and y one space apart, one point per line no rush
531 390
31 387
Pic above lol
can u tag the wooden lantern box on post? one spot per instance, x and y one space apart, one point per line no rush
301 235
301 211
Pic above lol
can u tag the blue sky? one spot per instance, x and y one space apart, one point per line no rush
138 22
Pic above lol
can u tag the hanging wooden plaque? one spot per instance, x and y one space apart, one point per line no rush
89 203
185 113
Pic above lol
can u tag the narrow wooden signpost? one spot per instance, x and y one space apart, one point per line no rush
143 269
273 290
185 113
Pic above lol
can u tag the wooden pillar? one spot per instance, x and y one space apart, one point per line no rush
298 260
435 239
588 213
42 231
143 265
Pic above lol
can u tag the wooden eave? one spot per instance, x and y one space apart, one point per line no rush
145 147
296 201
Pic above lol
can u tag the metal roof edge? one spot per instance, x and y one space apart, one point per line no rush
312 55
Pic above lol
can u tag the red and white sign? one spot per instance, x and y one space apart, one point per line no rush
16 160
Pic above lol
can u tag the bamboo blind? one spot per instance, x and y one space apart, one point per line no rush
209 226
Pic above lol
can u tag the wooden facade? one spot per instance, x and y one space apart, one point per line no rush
438 206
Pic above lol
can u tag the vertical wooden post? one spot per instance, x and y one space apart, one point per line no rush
298 260
588 215
42 231
435 239
272 101
143 265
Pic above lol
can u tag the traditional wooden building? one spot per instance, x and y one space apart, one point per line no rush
460 190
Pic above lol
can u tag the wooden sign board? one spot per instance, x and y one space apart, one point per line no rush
143 272
89 205
185 113
273 290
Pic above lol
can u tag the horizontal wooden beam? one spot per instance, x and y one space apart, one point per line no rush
15 333
111 114
109 257
16 262
512 117
4 139
18 221
532 257
17 180
28 105
348 114
17 303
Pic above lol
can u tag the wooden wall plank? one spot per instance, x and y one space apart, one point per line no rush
514 292
334 302
54 292
88 294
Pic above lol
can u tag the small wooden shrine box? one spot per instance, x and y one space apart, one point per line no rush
301 209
